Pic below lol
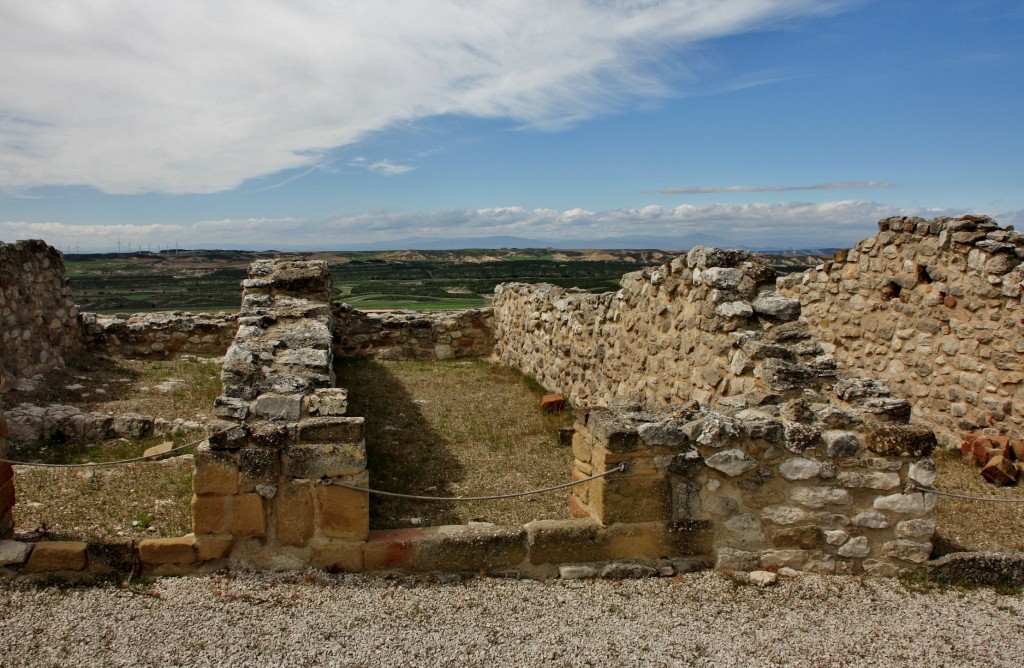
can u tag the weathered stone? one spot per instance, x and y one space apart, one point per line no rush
784 514
858 388
344 555
800 468
331 430
801 437
278 407
893 440
804 537
328 401
840 443
836 537
562 541
777 307
914 503
818 497
870 480
731 462
315 460
916 529
13 552
871 519
856 548
216 472
343 512
576 572
294 513
908 550
763 578
737 560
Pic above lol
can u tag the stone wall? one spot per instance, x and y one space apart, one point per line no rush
40 328
402 336
6 484
159 334
756 441
934 308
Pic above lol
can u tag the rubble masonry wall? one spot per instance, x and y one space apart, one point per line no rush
733 420
161 334
934 308
40 326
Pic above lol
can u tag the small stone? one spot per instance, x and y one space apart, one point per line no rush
763 578
13 552
731 462
576 572
799 468
871 519
856 548
266 491
836 537
627 571
552 403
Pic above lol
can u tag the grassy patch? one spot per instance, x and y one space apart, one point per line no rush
457 428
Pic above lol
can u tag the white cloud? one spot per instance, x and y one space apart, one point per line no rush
831 185
793 224
194 96
388 168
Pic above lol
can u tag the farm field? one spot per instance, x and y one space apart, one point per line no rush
209 280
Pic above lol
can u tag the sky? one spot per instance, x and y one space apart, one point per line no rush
318 124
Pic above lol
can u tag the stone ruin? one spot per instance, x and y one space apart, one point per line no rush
763 422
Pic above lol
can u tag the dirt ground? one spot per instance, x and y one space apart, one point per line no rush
458 428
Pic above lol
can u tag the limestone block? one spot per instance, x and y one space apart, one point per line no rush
13 552
745 531
914 503
790 558
773 305
836 537
315 460
856 548
56 555
343 512
872 480
294 513
230 408
784 514
840 443
342 555
178 550
279 407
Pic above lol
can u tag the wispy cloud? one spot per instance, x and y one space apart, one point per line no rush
134 97
388 168
791 224
713 190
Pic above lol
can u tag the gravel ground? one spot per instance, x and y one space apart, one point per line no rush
317 619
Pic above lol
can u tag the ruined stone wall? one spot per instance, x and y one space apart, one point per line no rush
40 328
756 443
159 334
6 484
704 326
934 308
403 336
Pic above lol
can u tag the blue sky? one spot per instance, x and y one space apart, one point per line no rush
319 124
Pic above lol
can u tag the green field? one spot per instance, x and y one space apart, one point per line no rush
414 280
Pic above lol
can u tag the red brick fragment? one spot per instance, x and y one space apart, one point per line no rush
1000 471
949 301
967 445
552 403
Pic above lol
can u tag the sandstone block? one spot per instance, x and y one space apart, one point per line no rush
331 430
343 512
210 548
344 555
216 472
178 550
256 465
211 514
565 541
56 555
631 499
247 515
803 537
294 514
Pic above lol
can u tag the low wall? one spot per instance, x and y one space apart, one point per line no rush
934 308
6 484
403 336
159 334
40 328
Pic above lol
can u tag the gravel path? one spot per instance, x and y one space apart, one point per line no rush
316 619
